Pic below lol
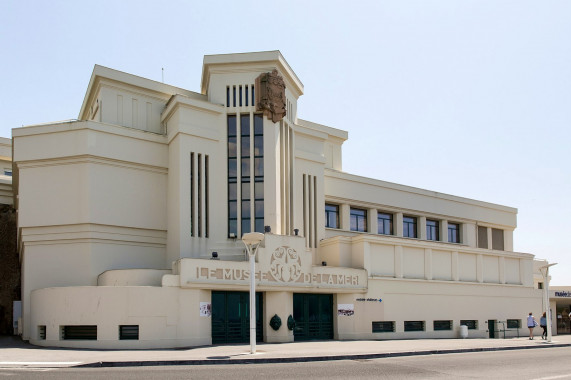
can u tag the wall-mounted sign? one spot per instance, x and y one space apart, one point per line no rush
368 300
346 309
563 294
205 309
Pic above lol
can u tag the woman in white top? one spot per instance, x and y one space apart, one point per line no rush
531 323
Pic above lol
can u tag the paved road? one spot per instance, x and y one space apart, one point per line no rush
550 364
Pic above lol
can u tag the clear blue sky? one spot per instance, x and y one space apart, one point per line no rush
471 98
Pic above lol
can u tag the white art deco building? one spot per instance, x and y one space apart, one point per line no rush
130 221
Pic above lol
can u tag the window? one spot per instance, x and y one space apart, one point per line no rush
470 323
513 323
540 285
413 325
331 216
42 332
409 226
129 332
482 237
497 239
385 223
385 326
79 332
245 174
453 233
432 230
442 325
358 220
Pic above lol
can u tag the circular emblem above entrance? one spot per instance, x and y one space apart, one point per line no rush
285 264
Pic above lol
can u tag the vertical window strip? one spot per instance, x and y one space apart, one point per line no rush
199 198
192 194
253 96
206 232
240 95
315 211
246 95
305 232
227 96
234 96
233 172
310 209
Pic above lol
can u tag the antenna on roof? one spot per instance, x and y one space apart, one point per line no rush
163 70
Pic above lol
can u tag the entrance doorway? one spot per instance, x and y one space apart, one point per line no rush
313 314
563 320
492 328
231 317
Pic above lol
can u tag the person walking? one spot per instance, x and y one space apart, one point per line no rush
543 325
531 323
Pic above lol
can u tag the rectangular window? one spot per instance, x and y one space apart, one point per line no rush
129 332
385 223
432 230
358 220
482 237
442 325
409 227
42 332
470 323
453 233
331 216
413 325
245 173
540 285
497 239
383 327
513 323
79 332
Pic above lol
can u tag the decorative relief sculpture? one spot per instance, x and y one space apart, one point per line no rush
285 264
270 95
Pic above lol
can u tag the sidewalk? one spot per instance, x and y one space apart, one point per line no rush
17 354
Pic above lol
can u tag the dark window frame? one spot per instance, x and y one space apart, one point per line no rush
383 326
356 217
454 233
331 210
384 220
432 230
442 325
472 324
410 326
410 225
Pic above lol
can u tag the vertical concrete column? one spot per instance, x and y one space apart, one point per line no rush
367 257
398 261
421 233
455 274
372 221
398 224
479 268
428 263
502 270
508 240
444 230
469 234
280 304
489 230
344 211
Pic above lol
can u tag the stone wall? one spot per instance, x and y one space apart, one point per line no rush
9 267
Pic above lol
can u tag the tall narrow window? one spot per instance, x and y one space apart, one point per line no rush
497 239
232 177
246 95
331 216
192 195
432 230
385 223
482 237
258 172
358 220
453 232
245 174
409 227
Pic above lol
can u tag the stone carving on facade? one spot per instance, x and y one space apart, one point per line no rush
270 95
285 265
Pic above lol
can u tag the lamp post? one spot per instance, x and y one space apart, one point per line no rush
545 273
252 240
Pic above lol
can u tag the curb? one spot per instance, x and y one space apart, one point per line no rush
306 359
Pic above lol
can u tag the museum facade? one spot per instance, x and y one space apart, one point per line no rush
130 221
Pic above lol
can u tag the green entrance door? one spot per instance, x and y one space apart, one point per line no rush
231 317
492 328
313 314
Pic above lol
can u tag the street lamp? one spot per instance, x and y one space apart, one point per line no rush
545 273
252 240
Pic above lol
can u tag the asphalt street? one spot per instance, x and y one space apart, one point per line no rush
550 364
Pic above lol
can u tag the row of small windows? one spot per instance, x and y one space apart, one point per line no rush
89 332
240 95
358 222
441 325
